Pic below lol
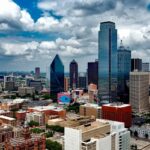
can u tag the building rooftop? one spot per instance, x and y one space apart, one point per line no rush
118 105
91 105
92 126
44 108
7 118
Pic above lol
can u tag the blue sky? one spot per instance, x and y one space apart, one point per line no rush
32 32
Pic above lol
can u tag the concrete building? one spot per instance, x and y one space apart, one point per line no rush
8 120
98 135
90 110
92 91
6 113
37 117
118 112
143 131
23 91
37 84
26 142
145 67
139 91
9 83
49 110
66 83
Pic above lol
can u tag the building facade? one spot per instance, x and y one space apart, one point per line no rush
145 67
73 74
37 72
136 64
92 72
139 91
100 134
82 81
124 68
118 112
107 69
56 75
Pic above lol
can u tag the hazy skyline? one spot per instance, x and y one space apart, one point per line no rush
32 32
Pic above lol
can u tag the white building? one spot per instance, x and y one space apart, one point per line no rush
23 91
98 135
142 131
37 117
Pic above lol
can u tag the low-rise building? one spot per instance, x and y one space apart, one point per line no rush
90 109
8 120
49 110
23 91
37 117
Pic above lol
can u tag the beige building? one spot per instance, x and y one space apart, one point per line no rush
90 109
8 120
139 91
26 91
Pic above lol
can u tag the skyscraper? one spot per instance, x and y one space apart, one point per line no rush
124 68
139 91
82 81
145 67
136 64
92 72
56 75
37 72
73 74
107 69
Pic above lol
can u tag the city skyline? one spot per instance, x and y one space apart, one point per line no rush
31 34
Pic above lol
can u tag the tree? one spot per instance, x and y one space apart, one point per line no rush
49 134
33 123
135 133
53 145
37 130
55 128
146 135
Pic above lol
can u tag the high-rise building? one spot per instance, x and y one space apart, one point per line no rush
92 72
97 135
107 68
82 81
145 67
139 91
37 72
66 83
124 68
56 75
136 64
73 74
118 112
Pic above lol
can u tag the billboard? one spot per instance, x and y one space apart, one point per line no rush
63 98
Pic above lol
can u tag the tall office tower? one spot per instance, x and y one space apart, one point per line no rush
73 74
92 72
139 91
82 81
145 67
136 64
66 83
124 68
56 76
37 72
107 69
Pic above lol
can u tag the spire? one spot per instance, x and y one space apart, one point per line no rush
121 43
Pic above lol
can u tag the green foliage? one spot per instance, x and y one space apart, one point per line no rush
53 145
49 134
33 123
37 130
74 107
46 96
55 128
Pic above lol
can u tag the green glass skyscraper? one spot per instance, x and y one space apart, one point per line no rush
107 69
